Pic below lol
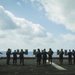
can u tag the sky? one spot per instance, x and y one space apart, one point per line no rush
33 24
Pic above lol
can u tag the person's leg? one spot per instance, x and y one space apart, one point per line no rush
59 60
69 60
20 61
39 61
62 60
43 61
7 61
13 61
51 60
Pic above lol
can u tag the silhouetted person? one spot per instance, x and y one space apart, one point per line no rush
21 57
70 57
14 57
50 53
44 56
61 56
73 56
8 53
38 57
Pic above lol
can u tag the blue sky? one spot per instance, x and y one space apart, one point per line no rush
33 24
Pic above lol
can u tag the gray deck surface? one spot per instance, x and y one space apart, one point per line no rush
30 68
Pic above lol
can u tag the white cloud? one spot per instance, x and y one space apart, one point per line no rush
17 32
5 21
20 33
65 41
61 12
68 37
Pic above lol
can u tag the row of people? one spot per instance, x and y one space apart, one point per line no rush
43 56
21 56
70 55
39 55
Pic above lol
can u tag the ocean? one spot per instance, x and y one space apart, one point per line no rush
30 54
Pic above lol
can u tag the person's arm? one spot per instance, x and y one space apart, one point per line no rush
52 52
11 53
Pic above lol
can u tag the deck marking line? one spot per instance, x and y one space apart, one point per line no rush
58 67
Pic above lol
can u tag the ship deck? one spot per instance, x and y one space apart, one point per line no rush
30 68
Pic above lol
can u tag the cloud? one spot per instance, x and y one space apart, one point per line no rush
2 34
5 20
65 41
18 32
68 37
61 12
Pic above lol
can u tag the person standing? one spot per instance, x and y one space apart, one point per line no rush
70 57
21 55
73 56
8 53
14 57
44 56
38 57
50 53
61 56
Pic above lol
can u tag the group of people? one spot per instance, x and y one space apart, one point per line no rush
21 56
71 55
39 55
48 55
43 56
